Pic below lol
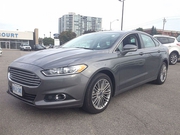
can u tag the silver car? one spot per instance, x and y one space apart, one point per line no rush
88 71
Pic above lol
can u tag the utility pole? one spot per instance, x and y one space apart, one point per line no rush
122 13
164 21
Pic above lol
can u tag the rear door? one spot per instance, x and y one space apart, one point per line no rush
152 49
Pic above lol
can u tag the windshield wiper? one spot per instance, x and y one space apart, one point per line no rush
84 48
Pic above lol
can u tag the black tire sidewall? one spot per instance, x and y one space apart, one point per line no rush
158 81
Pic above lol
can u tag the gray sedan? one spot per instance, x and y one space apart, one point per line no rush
88 70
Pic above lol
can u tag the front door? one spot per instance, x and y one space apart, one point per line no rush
132 67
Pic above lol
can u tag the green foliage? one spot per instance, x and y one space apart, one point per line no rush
88 31
139 29
48 40
40 40
153 31
66 36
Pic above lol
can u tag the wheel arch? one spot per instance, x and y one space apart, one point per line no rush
175 51
167 63
109 73
111 76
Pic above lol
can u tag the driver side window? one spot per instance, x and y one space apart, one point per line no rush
130 39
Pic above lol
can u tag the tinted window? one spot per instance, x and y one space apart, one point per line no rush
178 38
131 39
94 41
148 42
171 40
163 40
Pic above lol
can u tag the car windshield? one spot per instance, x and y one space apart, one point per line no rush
94 41
39 46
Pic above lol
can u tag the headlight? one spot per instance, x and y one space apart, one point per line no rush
64 70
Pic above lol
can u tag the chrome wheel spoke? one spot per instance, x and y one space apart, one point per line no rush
95 101
106 97
173 58
163 73
101 94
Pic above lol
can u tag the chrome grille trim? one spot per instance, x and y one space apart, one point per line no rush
24 78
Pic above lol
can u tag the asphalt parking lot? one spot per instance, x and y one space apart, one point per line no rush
146 110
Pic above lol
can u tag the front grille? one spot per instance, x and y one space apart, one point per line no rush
30 97
24 77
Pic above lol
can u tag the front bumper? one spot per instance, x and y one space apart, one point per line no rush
74 86
27 49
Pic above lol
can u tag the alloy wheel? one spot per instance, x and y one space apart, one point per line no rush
173 58
163 73
101 94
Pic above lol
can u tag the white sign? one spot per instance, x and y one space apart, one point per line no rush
56 42
16 35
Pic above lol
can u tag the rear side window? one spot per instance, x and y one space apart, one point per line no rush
171 40
148 42
163 40
178 38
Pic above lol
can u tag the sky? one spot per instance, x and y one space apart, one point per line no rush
26 15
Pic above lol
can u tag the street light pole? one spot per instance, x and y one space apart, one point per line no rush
122 13
112 22
164 21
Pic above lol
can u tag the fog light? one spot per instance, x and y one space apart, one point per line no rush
57 97
60 97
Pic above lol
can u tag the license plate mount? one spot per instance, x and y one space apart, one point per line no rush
17 89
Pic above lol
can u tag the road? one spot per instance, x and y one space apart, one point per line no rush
146 110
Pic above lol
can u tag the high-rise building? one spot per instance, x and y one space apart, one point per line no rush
79 23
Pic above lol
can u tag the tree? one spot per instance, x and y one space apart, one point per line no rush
66 36
40 40
48 40
89 31
139 29
153 31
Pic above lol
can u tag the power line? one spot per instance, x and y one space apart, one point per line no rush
152 22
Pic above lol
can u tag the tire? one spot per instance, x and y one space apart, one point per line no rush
98 94
173 58
162 75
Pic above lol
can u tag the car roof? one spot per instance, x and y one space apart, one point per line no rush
163 36
123 32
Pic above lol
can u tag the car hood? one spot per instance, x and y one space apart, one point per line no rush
56 57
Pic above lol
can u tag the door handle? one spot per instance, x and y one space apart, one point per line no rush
141 53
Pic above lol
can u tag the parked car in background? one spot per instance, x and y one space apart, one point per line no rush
51 46
88 70
0 51
44 46
173 47
39 47
25 47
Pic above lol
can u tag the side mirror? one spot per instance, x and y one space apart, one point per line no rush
129 48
